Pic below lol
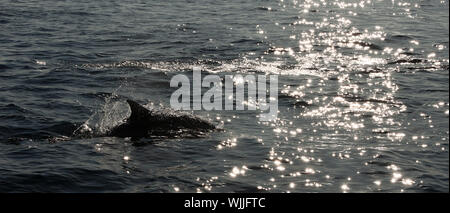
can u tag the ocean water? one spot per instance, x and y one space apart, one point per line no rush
363 95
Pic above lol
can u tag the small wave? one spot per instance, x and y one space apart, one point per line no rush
408 61
212 66
62 180
4 67
14 109
266 9
394 38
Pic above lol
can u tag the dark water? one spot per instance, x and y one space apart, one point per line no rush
363 100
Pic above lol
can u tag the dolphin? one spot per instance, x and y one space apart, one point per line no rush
147 123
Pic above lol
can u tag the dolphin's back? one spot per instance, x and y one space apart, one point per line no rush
144 122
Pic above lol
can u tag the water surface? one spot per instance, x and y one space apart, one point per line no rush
363 95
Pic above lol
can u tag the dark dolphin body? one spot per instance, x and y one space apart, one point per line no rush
147 123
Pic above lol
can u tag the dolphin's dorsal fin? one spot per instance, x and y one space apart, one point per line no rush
138 112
